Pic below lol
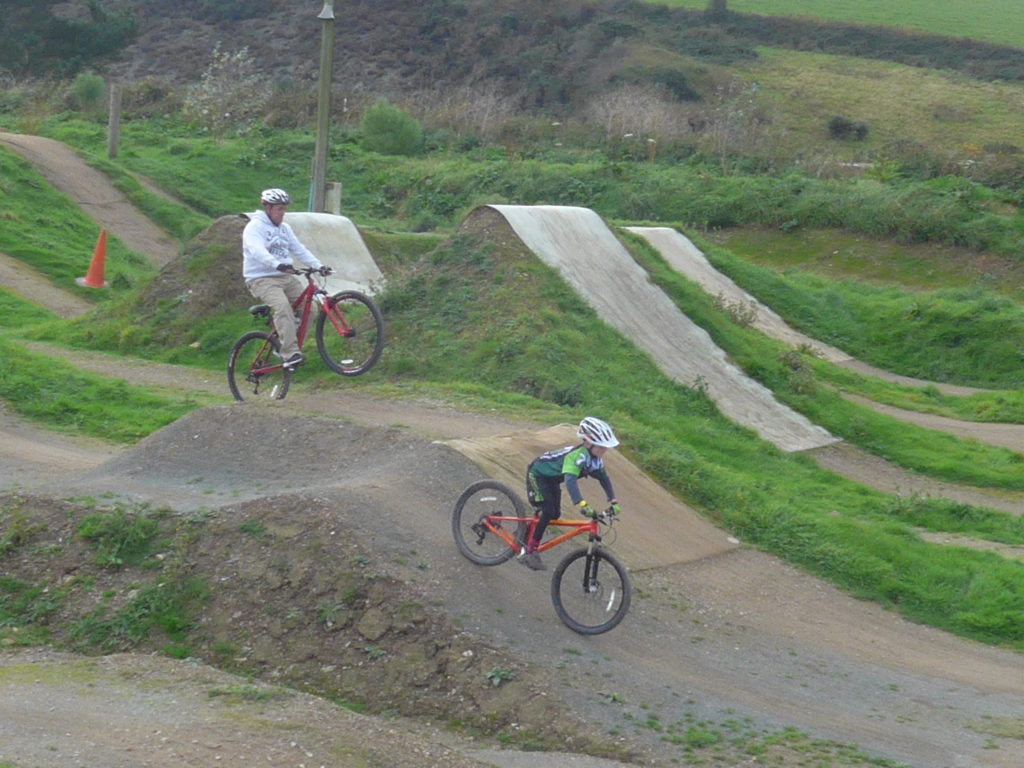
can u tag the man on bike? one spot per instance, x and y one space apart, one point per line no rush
546 473
268 245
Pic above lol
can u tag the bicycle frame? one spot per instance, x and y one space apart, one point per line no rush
578 527
303 305
311 294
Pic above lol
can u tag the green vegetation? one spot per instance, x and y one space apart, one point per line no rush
390 130
34 39
46 230
119 537
993 20
46 389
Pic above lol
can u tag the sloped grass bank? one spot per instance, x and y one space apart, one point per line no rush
50 391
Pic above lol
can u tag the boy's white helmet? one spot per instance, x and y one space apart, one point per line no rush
274 196
597 432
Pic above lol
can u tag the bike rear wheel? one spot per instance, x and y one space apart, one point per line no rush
357 346
255 371
474 540
591 593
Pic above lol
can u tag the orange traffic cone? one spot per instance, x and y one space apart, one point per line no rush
94 277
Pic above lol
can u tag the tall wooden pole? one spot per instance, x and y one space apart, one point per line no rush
318 193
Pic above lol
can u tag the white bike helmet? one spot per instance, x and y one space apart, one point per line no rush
274 196
597 432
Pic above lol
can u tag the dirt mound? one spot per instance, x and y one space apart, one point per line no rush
329 591
206 279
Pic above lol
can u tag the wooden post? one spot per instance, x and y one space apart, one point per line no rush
114 120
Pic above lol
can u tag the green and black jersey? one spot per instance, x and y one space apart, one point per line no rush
570 464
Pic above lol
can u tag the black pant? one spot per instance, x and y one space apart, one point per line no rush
545 495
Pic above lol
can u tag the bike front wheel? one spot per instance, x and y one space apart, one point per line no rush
480 500
349 333
591 592
255 371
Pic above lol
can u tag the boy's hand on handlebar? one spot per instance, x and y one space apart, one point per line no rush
287 268
325 270
614 509
586 510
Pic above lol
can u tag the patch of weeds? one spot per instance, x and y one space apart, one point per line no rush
119 537
167 607
19 529
176 651
23 609
254 528
1002 727
499 675
375 652
328 612
244 692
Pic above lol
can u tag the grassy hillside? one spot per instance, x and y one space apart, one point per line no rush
998 21
955 117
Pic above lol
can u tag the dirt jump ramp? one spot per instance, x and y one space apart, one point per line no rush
577 243
337 243
656 528
688 260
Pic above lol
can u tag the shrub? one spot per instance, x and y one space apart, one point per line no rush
230 94
87 91
390 130
840 127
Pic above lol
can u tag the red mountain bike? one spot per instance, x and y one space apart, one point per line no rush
590 588
349 337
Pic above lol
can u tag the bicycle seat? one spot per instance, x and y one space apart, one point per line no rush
259 310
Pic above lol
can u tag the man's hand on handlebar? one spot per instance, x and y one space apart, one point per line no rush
287 268
325 270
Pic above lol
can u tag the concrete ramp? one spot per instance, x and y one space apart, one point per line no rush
338 244
577 243
686 259
656 528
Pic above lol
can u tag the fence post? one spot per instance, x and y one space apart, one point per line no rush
114 120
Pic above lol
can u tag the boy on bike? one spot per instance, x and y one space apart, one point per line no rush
546 473
267 248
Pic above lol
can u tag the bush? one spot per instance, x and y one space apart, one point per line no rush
230 94
390 130
843 128
87 91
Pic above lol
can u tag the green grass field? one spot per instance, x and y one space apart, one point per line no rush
997 21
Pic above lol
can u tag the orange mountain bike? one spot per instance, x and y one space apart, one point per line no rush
590 587
349 337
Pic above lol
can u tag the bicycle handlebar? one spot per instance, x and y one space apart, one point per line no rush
305 271
606 516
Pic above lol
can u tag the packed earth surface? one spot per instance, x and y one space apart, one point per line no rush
322 526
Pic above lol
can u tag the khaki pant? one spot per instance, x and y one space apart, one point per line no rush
279 292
